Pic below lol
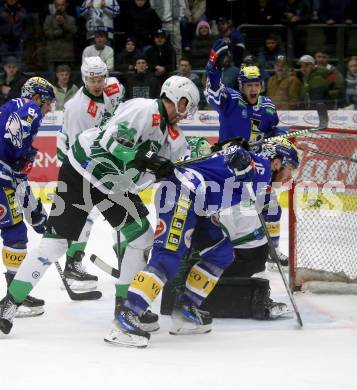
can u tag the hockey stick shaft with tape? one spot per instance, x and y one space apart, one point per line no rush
105 266
275 257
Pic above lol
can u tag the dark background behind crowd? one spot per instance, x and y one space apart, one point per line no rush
306 49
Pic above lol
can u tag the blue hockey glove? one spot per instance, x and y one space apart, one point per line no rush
242 164
239 141
25 163
39 218
216 57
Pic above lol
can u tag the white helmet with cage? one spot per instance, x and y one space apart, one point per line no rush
177 87
93 67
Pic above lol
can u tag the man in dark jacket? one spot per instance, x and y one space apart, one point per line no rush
143 83
161 56
59 30
12 28
11 81
142 22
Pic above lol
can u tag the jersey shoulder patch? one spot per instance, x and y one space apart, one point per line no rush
111 89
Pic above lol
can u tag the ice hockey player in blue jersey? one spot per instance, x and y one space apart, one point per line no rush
19 123
245 113
196 191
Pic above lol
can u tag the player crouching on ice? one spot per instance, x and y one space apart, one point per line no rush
103 169
194 192
19 123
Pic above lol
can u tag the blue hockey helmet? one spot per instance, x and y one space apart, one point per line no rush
38 86
284 150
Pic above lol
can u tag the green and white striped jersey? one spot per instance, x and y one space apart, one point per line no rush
105 156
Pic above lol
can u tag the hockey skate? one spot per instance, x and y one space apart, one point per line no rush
264 308
149 320
31 306
276 309
8 310
284 261
77 276
188 319
127 330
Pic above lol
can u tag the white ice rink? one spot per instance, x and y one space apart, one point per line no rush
64 348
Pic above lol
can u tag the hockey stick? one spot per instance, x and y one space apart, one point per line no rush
323 124
85 296
329 154
275 257
105 266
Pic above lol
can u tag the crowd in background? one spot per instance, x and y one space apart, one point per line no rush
145 41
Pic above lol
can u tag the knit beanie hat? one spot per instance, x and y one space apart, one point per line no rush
200 24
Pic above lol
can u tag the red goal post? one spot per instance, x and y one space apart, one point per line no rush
323 213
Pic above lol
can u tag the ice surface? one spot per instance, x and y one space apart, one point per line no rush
64 348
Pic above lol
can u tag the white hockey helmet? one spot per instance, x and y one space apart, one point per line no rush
93 67
177 87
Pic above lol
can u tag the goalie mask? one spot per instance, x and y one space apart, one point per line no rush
199 146
178 87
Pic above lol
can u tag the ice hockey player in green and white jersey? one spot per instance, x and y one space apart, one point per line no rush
93 103
102 170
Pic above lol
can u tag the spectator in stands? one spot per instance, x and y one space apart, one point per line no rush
315 86
194 12
125 60
230 73
60 30
141 22
99 14
11 81
268 54
335 11
161 56
143 83
170 13
233 38
265 11
13 19
201 45
335 78
100 49
63 87
351 83
185 70
284 87
297 12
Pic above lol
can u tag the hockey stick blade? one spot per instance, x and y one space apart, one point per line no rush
104 266
85 296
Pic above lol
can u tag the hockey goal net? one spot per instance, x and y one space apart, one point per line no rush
323 214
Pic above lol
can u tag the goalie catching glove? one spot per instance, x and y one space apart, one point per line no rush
161 167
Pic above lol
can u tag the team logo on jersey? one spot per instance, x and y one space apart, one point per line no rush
160 228
174 133
92 109
111 89
156 120
3 211
15 131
